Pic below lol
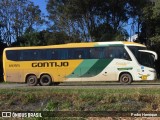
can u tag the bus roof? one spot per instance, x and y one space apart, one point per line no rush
84 44
133 44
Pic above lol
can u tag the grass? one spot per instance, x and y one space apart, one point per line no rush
54 99
81 99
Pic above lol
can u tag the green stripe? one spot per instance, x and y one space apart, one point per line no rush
82 68
97 67
129 68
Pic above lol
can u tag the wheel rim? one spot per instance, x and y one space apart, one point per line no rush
45 80
125 79
31 80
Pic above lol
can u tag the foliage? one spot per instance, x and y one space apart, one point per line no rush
92 20
123 99
73 20
77 20
44 37
150 27
150 22
16 16
58 38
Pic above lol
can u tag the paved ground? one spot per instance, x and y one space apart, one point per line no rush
86 85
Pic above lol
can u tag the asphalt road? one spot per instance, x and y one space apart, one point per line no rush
86 85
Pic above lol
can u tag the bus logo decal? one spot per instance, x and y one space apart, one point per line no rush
50 64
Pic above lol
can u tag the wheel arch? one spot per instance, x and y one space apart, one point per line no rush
46 74
125 72
26 76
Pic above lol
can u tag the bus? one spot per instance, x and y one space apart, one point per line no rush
94 61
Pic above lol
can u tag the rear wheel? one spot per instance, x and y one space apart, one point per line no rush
125 78
32 80
45 80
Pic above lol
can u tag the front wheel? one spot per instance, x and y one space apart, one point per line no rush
45 80
125 78
32 80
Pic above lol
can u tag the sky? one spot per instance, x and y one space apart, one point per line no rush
42 5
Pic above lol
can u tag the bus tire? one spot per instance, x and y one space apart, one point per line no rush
45 80
32 80
125 78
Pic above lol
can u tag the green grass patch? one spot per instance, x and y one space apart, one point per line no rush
23 99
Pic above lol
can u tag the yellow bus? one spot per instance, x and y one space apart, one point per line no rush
95 61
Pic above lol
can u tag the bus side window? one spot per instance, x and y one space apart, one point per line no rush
51 54
115 52
62 54
118 52
96 53
124 54
43 54
100 53
26 55
78 54
86 52
12 55
112 52
34 54
106 53
92 53
54 55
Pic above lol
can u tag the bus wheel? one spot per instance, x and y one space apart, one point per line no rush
45 80
125 78
32 80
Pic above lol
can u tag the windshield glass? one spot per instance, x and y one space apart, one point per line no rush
144 58
135 50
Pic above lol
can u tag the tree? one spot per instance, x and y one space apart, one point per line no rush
150 27
44 37
16 16
91 20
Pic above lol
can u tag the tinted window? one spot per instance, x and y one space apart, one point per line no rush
44 54
12 55
62 54
71 53
98 53
146 59
29 55
118 52
51 54
79 53
134 50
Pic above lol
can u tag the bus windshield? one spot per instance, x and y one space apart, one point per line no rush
144 58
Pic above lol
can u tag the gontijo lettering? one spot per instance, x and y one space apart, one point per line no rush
50 64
